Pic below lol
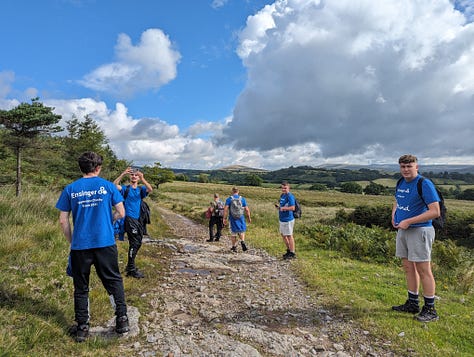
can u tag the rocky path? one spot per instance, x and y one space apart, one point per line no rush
217 303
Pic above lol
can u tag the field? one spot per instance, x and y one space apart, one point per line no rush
36 295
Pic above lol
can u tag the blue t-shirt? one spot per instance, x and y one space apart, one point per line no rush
286 200
90 201
237 225
133 201
409 202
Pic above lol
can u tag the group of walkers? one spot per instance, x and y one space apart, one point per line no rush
235 209
95 203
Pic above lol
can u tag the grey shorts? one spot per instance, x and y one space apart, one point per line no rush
286 228
415 244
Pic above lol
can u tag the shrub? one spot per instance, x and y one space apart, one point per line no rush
454 264
356 242
374 188
351 187
318 187
370 216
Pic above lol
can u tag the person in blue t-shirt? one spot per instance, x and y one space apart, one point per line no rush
412 216
134 226
235 209
286 206
90 199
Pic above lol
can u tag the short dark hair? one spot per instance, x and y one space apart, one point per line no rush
89 161
407 159
285 183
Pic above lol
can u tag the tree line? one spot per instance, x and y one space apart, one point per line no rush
36 150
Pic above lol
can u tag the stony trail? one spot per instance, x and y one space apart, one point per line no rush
213 302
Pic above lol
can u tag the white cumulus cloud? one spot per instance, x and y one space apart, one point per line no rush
351 76
149 65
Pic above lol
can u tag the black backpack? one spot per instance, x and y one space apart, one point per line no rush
297 211
440 221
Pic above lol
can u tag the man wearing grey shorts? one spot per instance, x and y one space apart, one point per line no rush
286 206
412 216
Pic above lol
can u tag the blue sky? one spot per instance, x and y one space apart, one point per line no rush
206 84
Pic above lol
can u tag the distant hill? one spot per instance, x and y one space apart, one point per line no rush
394 168
241 168
329 175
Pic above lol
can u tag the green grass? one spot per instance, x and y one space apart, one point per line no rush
36 296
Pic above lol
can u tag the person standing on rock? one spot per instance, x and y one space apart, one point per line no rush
412 216
90 200
216 208
133 195
235 209
286 206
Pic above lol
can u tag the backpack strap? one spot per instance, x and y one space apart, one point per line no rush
419 186
125 194
142 194
398 183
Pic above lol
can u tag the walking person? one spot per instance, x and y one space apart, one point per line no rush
90 200
134 227
235 209
216 208
286 206
412 216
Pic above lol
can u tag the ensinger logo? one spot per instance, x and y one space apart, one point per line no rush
101 191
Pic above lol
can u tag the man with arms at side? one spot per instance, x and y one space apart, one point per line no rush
90 200
412 216
133 195
216 208
286 207
235 208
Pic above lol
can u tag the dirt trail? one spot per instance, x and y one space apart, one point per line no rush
217 303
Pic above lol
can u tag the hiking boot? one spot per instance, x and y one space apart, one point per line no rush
244 247
286 254
289 256
233 249
217 239
82 332
409 306
210 240
427 314
121 324
137 274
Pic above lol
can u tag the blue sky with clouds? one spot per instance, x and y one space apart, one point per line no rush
205 84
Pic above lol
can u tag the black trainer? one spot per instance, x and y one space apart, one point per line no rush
290 255
137 274
233 249
210 240
286 254
244 247
82 332
121 324
427 314
409 306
